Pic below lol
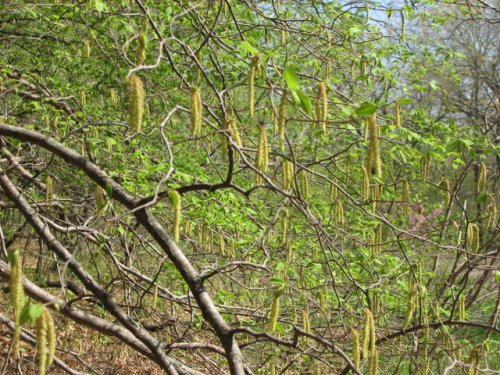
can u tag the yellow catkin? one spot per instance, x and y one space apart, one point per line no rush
135 103
473 237
175 199
142 42
372 347
196 111
155 296
473 361
425 166
83 99
48 189
355 348
234 132
303 185
114 97
254 67
322 105
412 300
282 37
373 161
41 341
86 48
306 323
366 184
188 229
284 227
461 308
398 114
481 179
288 174
262 160
405 196
282 119
366 334
273 316
333 193
362 66
51 337
375 191
339 212
377 239
100 197
328 70
373 363
445 185
222 244
16 294
274 122
492 213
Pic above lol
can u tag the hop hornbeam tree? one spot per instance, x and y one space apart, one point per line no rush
246 187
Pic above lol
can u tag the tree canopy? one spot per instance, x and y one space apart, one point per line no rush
249 187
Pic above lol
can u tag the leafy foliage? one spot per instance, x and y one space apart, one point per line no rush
295 259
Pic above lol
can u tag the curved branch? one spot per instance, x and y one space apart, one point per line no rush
143 217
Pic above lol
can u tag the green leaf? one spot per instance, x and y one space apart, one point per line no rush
291 79
99 5
31 312
249 48
366 109
305 101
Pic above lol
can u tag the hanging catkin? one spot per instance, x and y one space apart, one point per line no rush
86 48
322 105
369 341
306 323
282 37
142 42
233 130
445 185
100 197
175 199
473 237
461 308
303 185
16 294
284 227
114 97
83 99
425 166
339 212
254 67
273 316
412 299
366 184
48 189
373 161
355 348
282 119
288 174
196 111
135 103
375 191
481 179
262 162
398 114
405 196
492 213
46 340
